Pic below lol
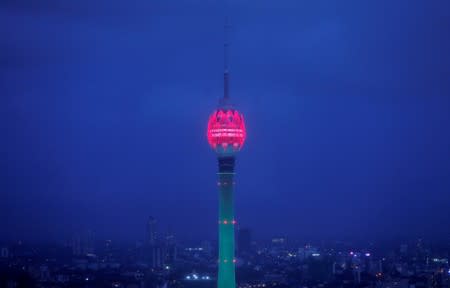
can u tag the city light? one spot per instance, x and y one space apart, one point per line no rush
197 277
194 249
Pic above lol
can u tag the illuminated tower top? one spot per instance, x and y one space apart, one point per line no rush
226 129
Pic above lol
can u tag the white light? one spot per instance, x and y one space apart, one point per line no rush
368 254
87 279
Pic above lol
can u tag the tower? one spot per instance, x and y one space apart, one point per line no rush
226 134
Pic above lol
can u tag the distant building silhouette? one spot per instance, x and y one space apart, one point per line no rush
170 249
76 245
244 241
151 231
207 247
83 245
89 243
158 251
4 252
156 256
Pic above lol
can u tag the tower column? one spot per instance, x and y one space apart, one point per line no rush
226 277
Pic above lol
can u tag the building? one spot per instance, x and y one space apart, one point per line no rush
207 247
151 231
89 244
156 256
244 241
4 252
170 249
76 245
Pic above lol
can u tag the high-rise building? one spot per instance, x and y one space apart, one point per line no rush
244 241
89 243
154 249
226 135
207 248
151 231
76 245
403 249
4 252
156 256
170 249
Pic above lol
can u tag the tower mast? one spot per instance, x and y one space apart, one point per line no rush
226 73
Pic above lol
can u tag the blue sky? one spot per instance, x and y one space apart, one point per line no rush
104 109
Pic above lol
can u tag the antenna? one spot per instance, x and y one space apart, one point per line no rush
226 45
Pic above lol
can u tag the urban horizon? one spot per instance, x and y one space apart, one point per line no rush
163 230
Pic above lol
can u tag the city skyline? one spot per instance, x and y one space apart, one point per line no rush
103 104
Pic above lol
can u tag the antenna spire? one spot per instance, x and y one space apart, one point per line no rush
226 45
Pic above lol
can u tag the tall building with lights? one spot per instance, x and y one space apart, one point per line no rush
226 135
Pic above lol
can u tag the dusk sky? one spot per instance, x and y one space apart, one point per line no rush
104 106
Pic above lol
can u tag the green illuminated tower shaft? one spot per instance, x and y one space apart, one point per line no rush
226 277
